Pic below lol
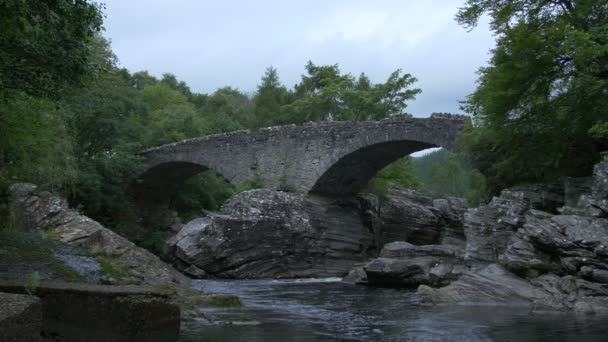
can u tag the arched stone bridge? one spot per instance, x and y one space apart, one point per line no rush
330 158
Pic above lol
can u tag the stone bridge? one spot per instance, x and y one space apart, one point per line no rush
329 158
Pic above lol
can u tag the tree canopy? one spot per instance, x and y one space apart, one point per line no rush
44 45
543 94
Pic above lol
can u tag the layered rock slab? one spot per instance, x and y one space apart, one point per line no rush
402 264
40 210
547 260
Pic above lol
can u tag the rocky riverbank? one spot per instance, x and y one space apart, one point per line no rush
275 234
540 246
84 282
95 253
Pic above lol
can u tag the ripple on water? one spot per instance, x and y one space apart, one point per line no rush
327 309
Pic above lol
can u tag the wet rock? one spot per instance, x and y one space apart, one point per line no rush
595 274
408 216
267 233
560 244
547 261
401 249
20 318
398 272
599 189
574 188
402 264
491 285
489 228
356 276
595 201
452 210
35 210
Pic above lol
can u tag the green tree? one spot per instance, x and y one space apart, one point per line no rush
34 144
44 44
172 81
326 94
442 173
543 91
233 104
397 175
142 79
271 95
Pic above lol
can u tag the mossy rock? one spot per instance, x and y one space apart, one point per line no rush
221 300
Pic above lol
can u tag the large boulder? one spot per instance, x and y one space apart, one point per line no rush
407 215
267 233
402 264
48 213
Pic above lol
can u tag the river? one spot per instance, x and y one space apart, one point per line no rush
329 310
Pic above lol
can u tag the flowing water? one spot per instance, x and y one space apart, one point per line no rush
329 310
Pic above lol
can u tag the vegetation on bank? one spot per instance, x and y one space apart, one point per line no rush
29 252
73 121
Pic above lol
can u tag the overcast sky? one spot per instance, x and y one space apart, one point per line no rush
211 44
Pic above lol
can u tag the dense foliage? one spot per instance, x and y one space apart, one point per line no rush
540 108
43 45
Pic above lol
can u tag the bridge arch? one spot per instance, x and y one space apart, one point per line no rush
351 173
155 189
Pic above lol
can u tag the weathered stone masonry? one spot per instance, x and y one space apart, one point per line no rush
330 158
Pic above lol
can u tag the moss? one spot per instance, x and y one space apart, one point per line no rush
532 273
50 233
7 215
166 290
112 266
33 283
22 246
66 273
254 182
221 300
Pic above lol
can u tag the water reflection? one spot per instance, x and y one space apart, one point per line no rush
326 310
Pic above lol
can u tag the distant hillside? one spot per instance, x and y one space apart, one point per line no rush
442 173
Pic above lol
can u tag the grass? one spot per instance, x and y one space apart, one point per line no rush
221 300
66 273
50 233
17 246
22 246
113 267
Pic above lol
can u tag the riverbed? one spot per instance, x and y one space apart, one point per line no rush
327 310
